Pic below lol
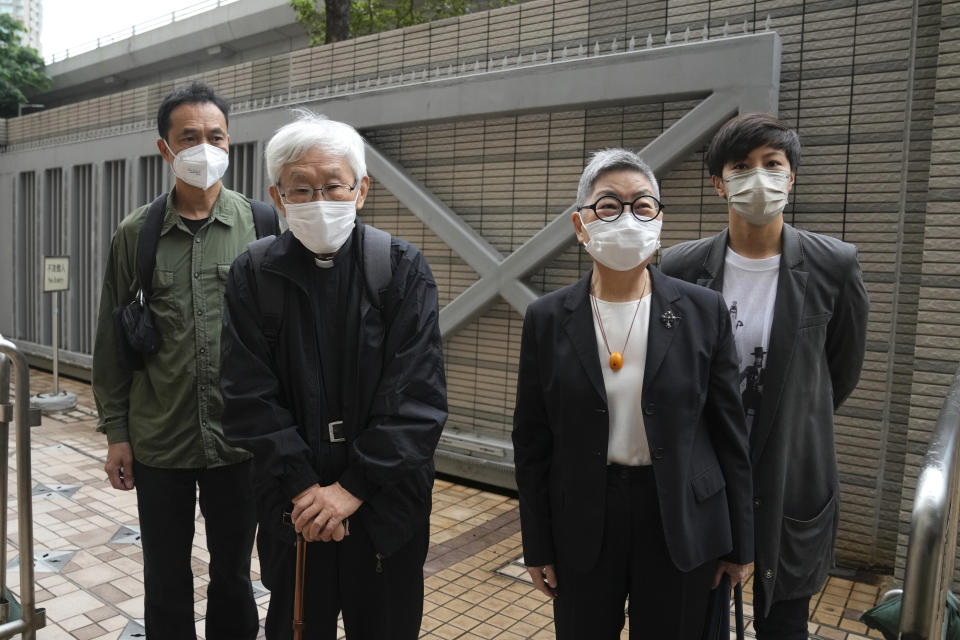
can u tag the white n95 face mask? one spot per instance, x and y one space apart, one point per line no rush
201 165
758 195
322 226
623 244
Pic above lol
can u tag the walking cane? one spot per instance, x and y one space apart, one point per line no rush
301 576
738 608
299 579
298 588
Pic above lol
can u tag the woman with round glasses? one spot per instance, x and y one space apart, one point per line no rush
629 437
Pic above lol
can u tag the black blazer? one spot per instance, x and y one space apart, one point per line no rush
816 350
694 423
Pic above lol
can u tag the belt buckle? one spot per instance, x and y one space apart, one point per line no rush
331 431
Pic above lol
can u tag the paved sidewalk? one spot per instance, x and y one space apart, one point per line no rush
89 561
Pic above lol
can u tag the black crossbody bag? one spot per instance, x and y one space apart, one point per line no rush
137 334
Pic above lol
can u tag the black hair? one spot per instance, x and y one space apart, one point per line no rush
741 135
193 93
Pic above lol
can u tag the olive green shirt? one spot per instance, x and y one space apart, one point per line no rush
169 411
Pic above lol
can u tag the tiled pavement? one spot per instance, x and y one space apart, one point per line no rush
89 563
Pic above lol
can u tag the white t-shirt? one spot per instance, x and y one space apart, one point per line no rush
628 439
750 289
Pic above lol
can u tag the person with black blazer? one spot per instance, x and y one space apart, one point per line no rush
800 310
630 441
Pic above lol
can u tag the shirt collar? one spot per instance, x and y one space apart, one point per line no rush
220 212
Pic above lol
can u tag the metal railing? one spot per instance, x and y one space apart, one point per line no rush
141 27
933 528
30 619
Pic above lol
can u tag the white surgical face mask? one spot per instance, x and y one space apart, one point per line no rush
201 165
758 195
322 226
623 244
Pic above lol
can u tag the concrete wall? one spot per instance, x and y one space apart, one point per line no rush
858 79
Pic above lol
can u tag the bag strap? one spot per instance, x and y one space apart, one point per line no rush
266 222
147 243
265 218
377 267
269 290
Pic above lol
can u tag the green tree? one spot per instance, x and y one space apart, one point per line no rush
21 68
323 19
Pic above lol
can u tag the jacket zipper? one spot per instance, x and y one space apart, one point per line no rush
379 563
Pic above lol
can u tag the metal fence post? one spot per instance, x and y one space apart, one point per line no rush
55 328
6 414
933 528
30 619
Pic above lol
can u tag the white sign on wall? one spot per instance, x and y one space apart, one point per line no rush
56 273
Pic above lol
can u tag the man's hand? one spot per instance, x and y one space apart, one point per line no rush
119 466
737 573
544 579
319 512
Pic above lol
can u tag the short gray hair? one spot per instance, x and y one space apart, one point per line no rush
607 160
292 141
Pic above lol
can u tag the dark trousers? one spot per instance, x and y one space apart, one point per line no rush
166 502
787 619
665 603
381 598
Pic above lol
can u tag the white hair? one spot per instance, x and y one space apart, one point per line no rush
607 160
292 141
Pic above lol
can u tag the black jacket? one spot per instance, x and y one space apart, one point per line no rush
816 350
393 414
693 418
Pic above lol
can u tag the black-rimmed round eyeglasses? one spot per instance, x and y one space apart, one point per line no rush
609 208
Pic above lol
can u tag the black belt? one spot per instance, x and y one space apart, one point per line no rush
622 472
335 432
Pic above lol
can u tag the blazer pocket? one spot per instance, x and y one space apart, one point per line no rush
806 550
708 483
815 320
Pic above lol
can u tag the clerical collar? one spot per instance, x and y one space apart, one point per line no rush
340 255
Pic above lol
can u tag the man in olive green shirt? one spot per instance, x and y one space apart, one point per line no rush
162 422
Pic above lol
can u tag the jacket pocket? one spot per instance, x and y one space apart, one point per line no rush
164 303
806 552
215 299
816 320
708 483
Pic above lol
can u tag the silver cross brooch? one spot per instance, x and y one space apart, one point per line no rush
668 317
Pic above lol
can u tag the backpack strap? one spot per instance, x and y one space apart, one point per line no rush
265 218
377 266
269 290
147 242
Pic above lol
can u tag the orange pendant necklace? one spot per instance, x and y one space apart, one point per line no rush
616 357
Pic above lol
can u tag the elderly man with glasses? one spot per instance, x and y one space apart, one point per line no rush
332 376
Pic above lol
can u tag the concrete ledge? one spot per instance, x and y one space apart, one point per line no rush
72 364
499 474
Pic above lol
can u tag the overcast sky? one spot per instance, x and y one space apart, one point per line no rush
68 23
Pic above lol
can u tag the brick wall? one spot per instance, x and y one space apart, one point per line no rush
938 310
